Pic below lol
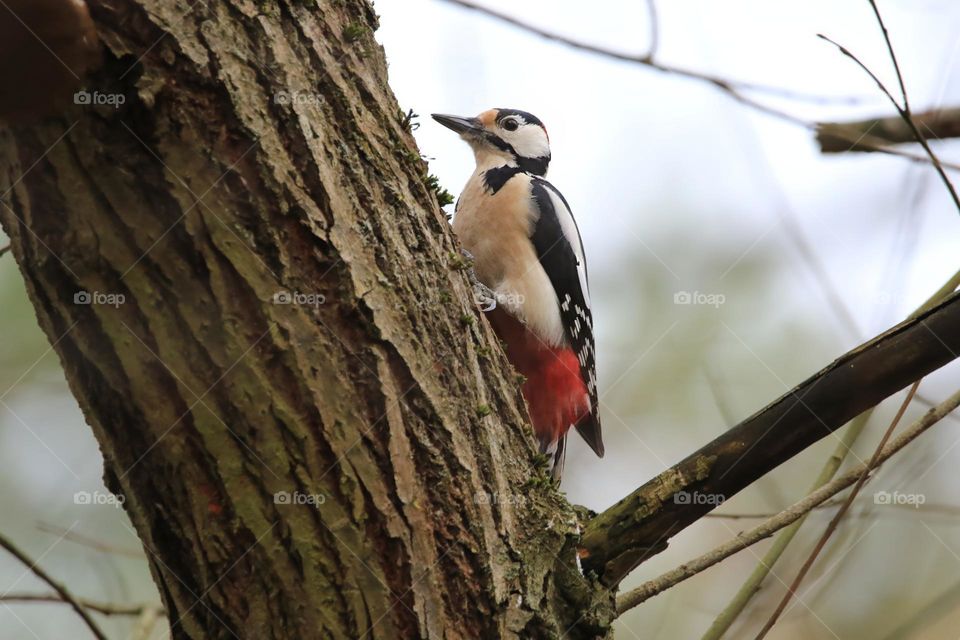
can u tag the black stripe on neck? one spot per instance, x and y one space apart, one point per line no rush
536 166
495 178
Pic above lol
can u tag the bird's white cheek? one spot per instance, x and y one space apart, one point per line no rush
530 142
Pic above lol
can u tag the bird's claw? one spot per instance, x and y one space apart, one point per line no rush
484 296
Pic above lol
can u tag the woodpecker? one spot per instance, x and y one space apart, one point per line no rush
528 254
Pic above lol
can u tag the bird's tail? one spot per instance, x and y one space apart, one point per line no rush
557 450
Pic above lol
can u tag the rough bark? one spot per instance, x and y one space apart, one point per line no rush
196 202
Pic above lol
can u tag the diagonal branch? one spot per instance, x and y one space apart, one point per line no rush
786 517
835 520
753 582
903 110
728 85
105 608
839 137
614 542
61 590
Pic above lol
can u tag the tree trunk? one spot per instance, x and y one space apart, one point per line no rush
232 245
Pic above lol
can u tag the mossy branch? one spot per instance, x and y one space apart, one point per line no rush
640 525
660 584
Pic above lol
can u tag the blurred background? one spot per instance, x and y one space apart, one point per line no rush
796 257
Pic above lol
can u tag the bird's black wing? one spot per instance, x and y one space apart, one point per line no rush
560 251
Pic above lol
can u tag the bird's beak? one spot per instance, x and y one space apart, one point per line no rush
463 126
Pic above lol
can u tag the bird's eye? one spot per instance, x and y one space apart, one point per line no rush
510 124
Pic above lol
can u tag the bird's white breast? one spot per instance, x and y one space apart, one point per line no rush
496 229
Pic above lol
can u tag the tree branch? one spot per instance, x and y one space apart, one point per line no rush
835 520
728 85
239 257
616 541
61 590
654 19
752 584
839 136
904 110
835 137
106 608
91 543
651 588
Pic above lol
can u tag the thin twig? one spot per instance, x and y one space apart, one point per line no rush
903 110
746 591
893 57
877 145
733 88
645 59
143 629
948 287
5 249
673 577
835 521
739 602
654 30
59 588
951 510
86 541
106 608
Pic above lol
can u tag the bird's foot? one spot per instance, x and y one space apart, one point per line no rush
484 296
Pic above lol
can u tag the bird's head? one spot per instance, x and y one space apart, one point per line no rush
515 136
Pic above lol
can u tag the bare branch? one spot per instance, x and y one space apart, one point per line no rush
651 588
87 541
143 629
106 608
726 84
948 510
733 88
61 590
904 110
834 137
615 541
752 584
835 521
654 30
893 56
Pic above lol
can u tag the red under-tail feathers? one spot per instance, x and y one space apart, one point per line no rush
556 394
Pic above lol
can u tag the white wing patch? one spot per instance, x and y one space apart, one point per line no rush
569 225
